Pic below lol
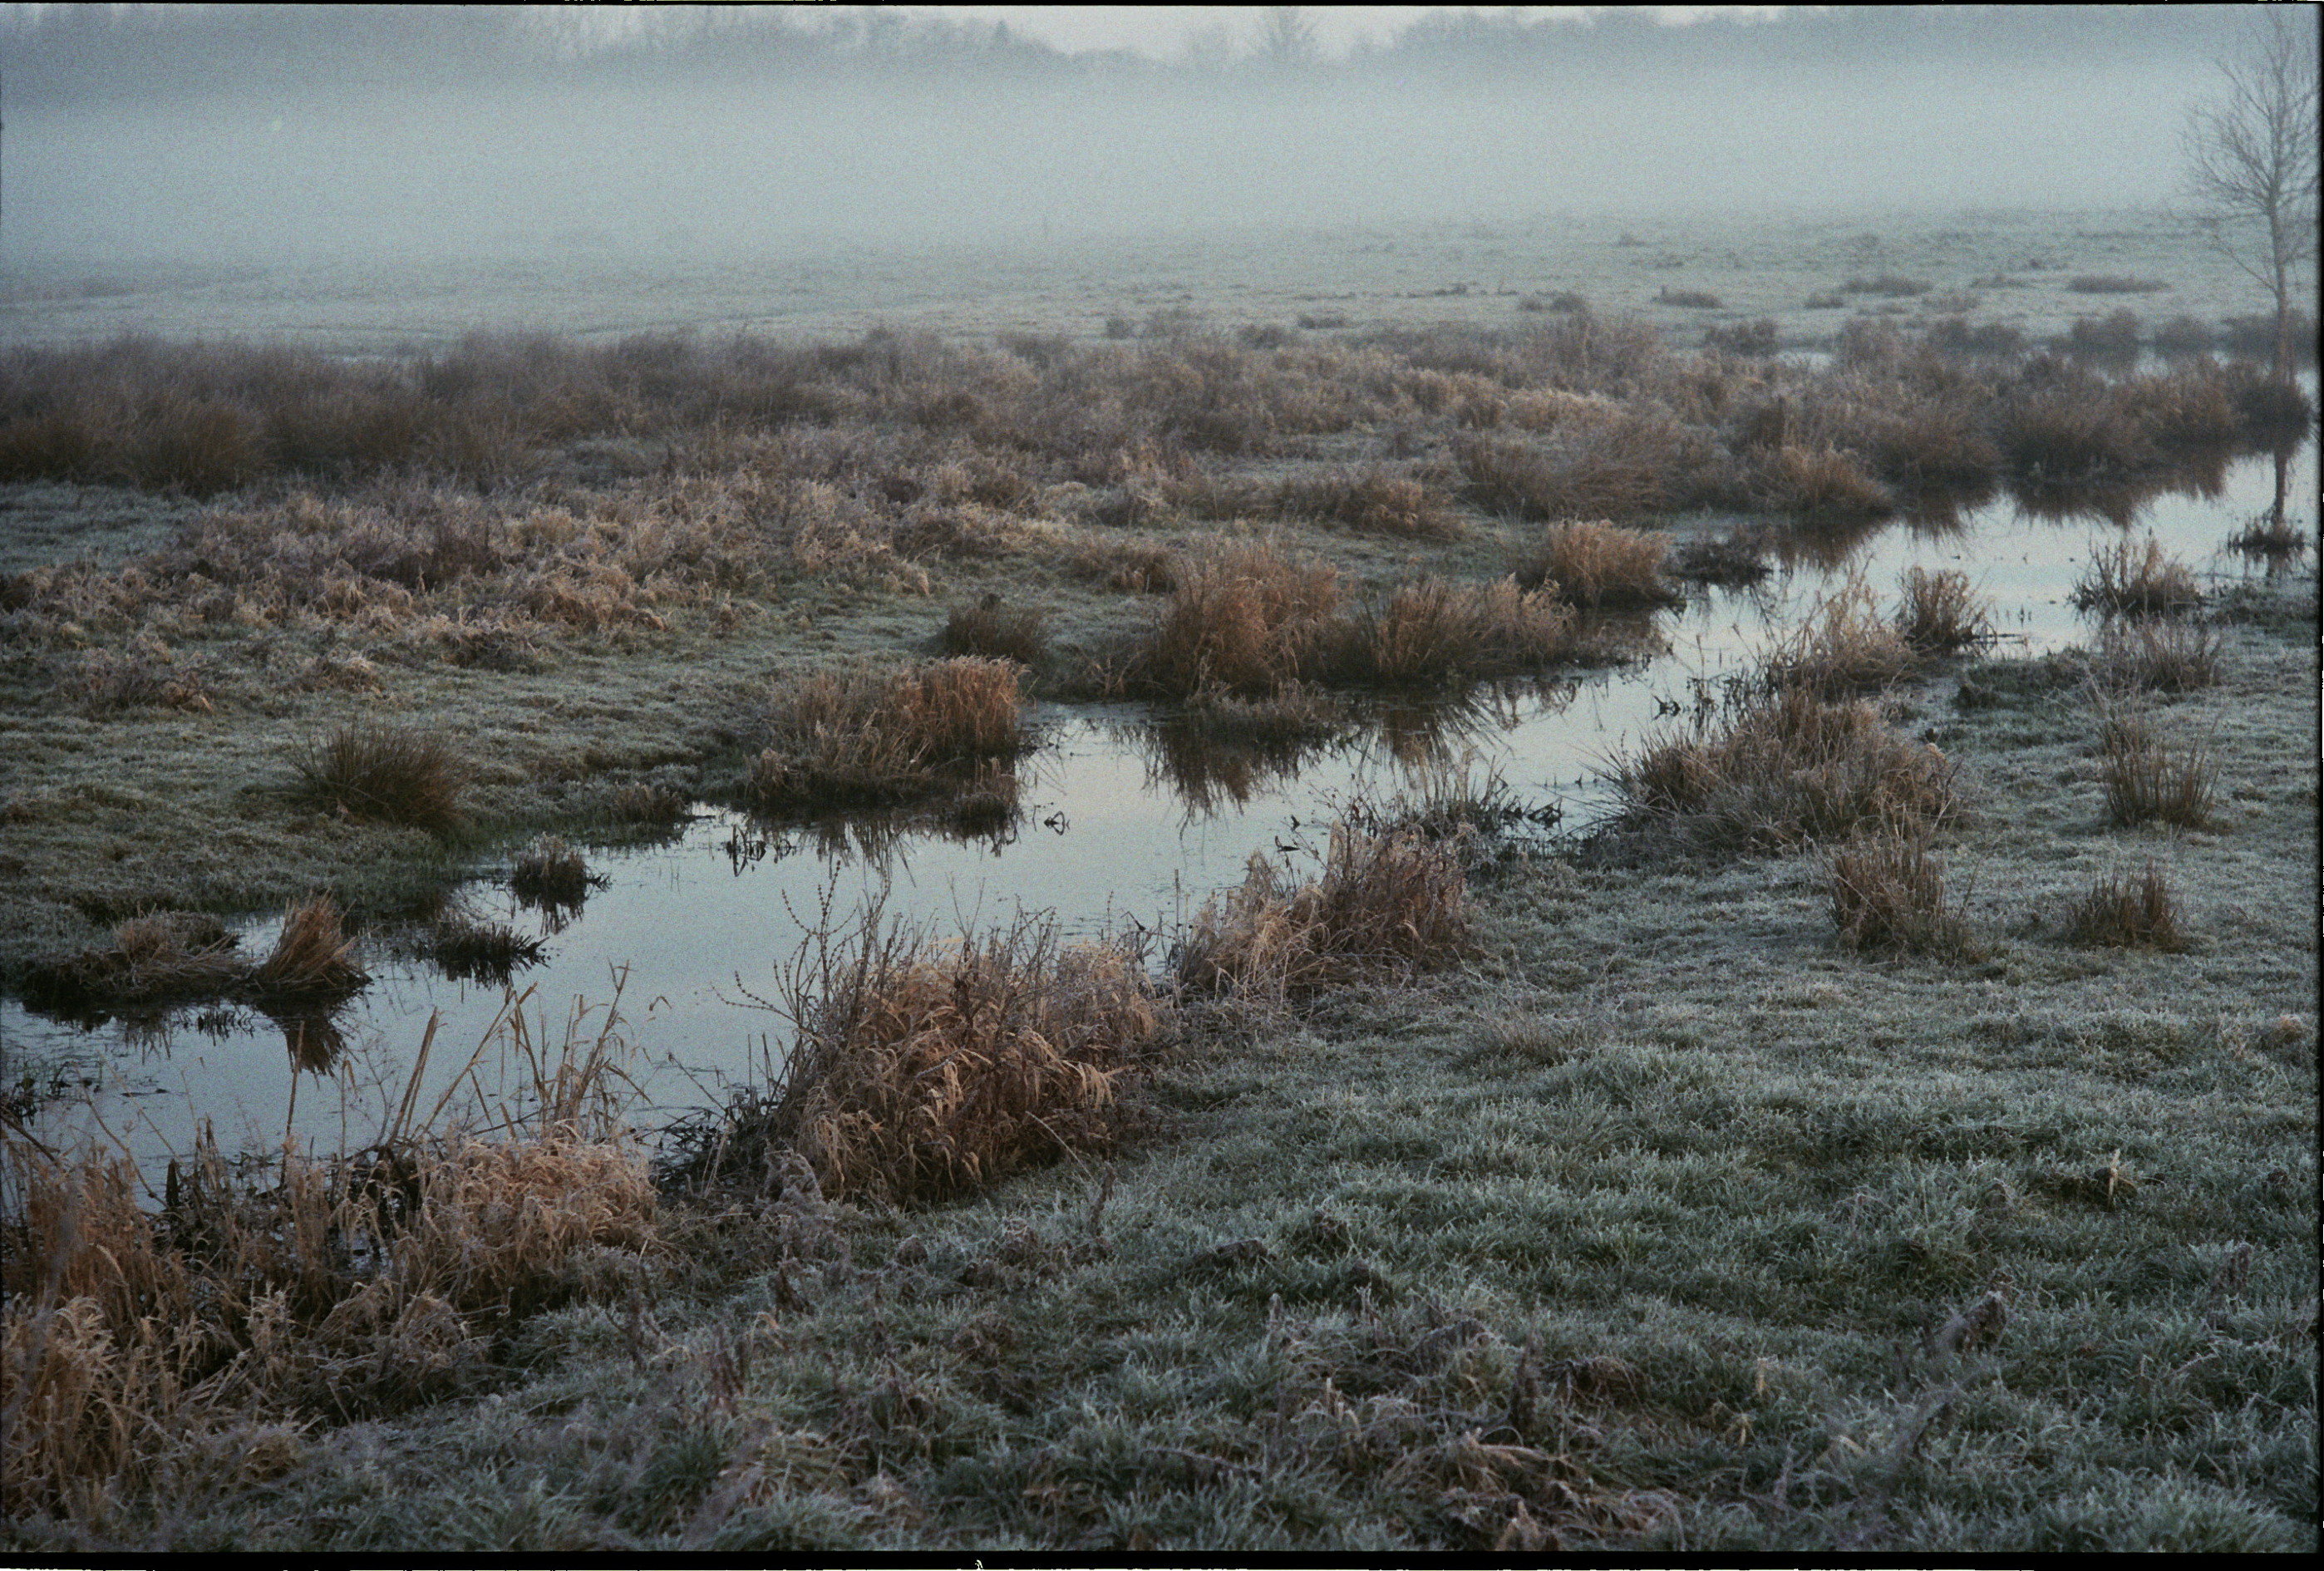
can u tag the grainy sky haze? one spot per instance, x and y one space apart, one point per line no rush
228 134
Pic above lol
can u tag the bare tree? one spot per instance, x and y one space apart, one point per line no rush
1285 36
2252 160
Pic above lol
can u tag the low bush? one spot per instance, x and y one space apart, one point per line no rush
1243 617
1600 564
384 775
1888 285
1754 339
1381 905
1614 466
2125 912
1693 299
2113 337
1843 647
1821 484
1370 499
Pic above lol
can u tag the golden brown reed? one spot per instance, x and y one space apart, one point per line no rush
920 1069
996 632
1431 632
1370 499
1787 767
884 734
1600 564
1843 647
1383 904
313 959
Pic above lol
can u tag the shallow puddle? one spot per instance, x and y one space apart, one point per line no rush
1122 826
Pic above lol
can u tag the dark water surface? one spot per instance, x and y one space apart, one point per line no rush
1120 829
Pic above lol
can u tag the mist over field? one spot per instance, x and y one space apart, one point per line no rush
255 136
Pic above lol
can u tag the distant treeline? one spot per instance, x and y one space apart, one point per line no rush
68 53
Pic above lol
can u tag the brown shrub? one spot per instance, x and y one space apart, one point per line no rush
1383 904
2067 426
2146 779
2141 580
2125 912
1888 893
1600 564
385 775
921 1069
1787 767
996 632
1939 613
1617 467
875 735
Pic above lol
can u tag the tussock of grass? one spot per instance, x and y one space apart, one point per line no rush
996 632
1383 904
2148 779
1786 767
1843 647
384 775
2272 534
1619 465
1372 500
1821 483
549 872
2123 910
2113 283
2137 580
920 1069
176 958
1432 633
2164 655
1888 894
1600 564
488 952
1244 617
1939 613
881 734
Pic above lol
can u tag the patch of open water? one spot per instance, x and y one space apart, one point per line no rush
1116 828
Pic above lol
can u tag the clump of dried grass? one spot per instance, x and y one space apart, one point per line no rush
312 960
875 735
1617 465
1939 613
2147 779
1782 768
136 1345
549 872
2173 655
2273 534
2137 580
1370 499
1389 904
996 632
385 775
2126 911
1600 564
920 1069
1432 631
1844 647
1888 893
1821 483
161 958
488 952
1243 617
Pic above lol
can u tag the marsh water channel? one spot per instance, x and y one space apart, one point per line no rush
1123 826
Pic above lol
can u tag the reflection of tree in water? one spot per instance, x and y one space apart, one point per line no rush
2273 535
2118 500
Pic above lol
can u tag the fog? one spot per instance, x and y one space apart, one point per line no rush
225 136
